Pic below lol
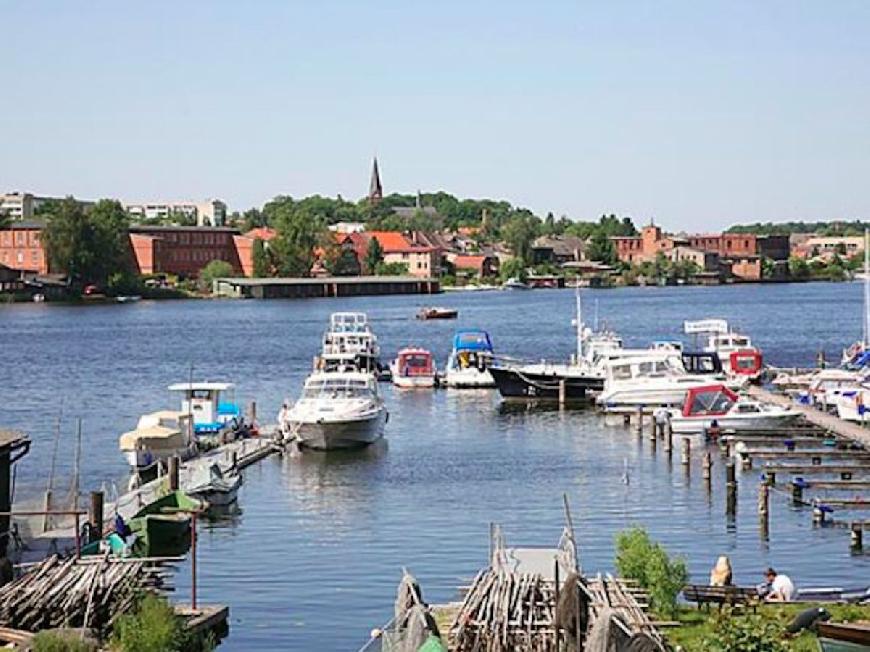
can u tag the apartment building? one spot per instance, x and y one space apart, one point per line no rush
210 212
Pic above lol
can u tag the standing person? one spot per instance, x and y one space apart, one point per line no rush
781 586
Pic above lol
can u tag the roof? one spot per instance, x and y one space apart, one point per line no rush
469 262
334 280
409 211
393 242
144 228
262 233
562 245
24 224
183 387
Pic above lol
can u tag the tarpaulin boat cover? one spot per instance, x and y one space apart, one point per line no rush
710 400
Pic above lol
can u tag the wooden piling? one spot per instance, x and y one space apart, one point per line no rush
685 455
252 412
626 420
706 466
669 438
652 428
562 392
174 464
763 499
857 537
797 492
95 516
639 424
730 487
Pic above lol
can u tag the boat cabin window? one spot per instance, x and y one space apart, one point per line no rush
415 361
337 389
746 363
201 394
747 407
621 372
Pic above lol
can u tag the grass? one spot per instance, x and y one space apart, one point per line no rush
696 625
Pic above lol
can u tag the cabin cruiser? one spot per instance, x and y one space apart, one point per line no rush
214 417
339 409
350 338
514 283
656 378
157 437
739 357
716 403
413 368
467 366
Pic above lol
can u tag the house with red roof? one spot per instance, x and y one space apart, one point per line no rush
476 265
420 259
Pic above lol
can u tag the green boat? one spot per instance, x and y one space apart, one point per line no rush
162 528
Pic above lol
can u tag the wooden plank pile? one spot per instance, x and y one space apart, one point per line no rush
626 605
88 593
506 611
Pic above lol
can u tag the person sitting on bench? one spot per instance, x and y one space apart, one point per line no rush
721 573
781 588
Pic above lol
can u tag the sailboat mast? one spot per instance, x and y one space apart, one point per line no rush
866 289
579 320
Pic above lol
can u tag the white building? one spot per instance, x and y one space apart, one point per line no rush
211 212
23 205
346 228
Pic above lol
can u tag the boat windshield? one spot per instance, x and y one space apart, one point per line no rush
337 388
414 363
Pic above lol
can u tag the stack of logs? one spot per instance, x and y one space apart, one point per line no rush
506 611
88 593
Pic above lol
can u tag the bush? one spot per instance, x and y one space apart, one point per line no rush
638 558
755 633
49 641
154 627
215 269
391 269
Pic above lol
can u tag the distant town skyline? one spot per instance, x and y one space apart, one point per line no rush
697 116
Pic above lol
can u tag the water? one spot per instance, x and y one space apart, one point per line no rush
313 561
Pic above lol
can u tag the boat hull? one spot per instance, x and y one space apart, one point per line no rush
648 396
414 382
696 425
339 435
471 378
529 385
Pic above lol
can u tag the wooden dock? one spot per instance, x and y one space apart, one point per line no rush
829 422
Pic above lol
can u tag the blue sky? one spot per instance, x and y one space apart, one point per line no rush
699 114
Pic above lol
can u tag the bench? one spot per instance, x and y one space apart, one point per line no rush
705 595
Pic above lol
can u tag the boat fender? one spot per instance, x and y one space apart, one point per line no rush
807 619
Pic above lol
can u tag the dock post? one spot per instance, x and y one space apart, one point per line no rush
173 473
652 427
857 540
685 455
95 516
763 499
730 487
639 424
562 393
797 492
745 461
626 420
706 466
252 412
818 514
669 437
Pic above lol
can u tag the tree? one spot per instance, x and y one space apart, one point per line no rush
5 219
88 246
601 249
513 268
300 229
374 256
798 268
519 233
260 258
215 269
392 269
640 559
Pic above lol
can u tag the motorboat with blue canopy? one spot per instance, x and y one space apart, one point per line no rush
468 362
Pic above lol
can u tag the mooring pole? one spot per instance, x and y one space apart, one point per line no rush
730 487
857 535
173 473
639 424
685 455
96 516
193 561
562 393
706 466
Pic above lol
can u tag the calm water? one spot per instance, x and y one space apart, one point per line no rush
313 560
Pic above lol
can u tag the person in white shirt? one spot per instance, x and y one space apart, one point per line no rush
781 587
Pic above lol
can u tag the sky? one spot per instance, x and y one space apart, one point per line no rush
694 114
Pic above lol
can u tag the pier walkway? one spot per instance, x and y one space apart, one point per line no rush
829 422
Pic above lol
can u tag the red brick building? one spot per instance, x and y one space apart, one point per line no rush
21 249
182 250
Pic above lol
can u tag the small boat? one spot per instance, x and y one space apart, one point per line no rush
214 417
413 368
157 437
162 528
649 378
514 283
130 298
717 403
213 485
349 343
843 637
468 362
38 298
435 312
339 409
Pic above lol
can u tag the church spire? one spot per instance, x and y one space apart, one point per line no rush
376 191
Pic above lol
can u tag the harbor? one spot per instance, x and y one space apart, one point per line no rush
338 527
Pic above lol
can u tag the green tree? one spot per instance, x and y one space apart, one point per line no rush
513 268
798 268
215 269
88 246
518 234
5 219
391 269
300 228
601 248
260 259
374 256
639 558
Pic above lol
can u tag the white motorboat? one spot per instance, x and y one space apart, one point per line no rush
853 403
337 410
514 283
413 368
826 385
215 416
157 437
704 406
216 487
654 379
467 366
349 343
739 357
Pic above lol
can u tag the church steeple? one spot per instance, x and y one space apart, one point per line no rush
376 191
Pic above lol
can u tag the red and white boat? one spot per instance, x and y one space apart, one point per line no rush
413 368
716 403
740 359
